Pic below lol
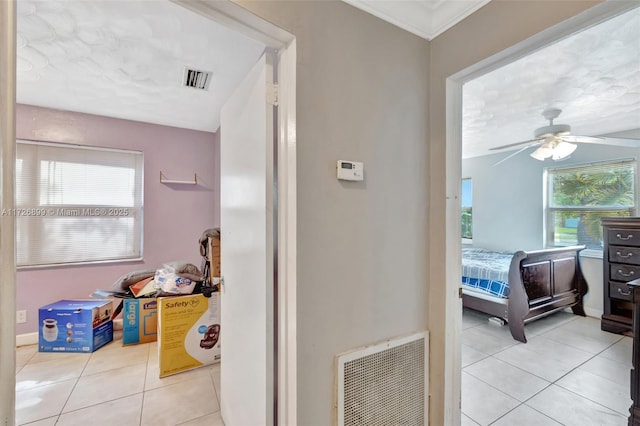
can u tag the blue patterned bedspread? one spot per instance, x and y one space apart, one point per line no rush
486 270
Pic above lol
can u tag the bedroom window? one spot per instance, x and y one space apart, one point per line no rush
77 204
579 196
467 200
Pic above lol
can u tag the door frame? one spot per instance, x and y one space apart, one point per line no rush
237 18
234 17
454 85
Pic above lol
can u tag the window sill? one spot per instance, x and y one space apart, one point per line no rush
467 241
136 260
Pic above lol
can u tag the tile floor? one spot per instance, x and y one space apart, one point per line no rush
116 385
569 373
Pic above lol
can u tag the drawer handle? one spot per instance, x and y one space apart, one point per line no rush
624 256
630 274
624 293
628 237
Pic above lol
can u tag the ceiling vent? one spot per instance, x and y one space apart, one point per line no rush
196 78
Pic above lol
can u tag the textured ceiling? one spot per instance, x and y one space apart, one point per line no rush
126 59
593 76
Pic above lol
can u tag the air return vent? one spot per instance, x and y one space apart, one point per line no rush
385 384
196 78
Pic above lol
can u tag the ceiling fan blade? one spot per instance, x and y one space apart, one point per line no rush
531 142
515 153
582 139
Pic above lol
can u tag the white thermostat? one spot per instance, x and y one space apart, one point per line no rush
350 170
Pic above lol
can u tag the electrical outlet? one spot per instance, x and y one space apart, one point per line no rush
21 317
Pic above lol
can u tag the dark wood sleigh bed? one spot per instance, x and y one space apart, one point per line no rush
540 283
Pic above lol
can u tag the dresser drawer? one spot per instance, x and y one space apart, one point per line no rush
624 237
619 291
624 273
629 255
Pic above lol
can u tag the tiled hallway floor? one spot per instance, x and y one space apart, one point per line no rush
116 385
568 373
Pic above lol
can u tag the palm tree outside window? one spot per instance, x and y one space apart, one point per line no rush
579 196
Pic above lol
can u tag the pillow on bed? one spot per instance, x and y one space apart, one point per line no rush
185 270
130 278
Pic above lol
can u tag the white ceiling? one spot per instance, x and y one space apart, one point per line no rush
125 59
593 76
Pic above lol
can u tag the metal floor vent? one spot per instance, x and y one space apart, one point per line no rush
196 78
385 384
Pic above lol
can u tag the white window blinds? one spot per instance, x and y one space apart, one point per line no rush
77 204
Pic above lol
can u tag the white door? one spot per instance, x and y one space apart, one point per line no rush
246 225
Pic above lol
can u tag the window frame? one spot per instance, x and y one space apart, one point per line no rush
34 203
549 211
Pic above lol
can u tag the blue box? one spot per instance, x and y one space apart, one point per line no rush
139 321
75 325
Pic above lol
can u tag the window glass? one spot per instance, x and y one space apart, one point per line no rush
580 196
77 204
467 200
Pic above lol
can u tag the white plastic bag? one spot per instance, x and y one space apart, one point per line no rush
168 282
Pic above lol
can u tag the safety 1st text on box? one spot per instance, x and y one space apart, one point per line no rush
75 325
140 320
188 332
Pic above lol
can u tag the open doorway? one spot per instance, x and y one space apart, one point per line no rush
240 21
455 94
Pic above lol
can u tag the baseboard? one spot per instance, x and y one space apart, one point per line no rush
27 339
591 312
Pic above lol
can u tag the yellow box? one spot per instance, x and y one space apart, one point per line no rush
188 332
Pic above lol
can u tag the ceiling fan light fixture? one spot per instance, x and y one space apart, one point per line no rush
543 152
563 150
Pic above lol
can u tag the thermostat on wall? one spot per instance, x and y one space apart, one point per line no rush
350 170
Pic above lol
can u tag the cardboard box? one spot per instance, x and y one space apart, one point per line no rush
188 332
75 325
140 320
214 257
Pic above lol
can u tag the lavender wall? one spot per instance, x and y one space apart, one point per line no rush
174 215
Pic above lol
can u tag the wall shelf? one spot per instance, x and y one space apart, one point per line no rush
163 179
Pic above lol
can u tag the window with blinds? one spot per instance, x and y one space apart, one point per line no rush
77 204
578 197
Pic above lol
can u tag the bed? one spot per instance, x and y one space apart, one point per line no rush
523 286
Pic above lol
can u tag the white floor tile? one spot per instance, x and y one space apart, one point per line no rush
114 355
50 421
24 354
511 380
621 351
214 419
488 339
584 334
483 403
107 386
123 411
573 410
470 355
610 393
545 358
615 371
42 402
525 416
548 323
180 402
466 421
50 371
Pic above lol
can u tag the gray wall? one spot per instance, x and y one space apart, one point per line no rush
508 198
362 276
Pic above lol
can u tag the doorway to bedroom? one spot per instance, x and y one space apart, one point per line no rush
565 81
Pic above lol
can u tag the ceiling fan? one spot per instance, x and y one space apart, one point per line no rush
553 141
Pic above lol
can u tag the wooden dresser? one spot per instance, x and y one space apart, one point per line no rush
621 262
